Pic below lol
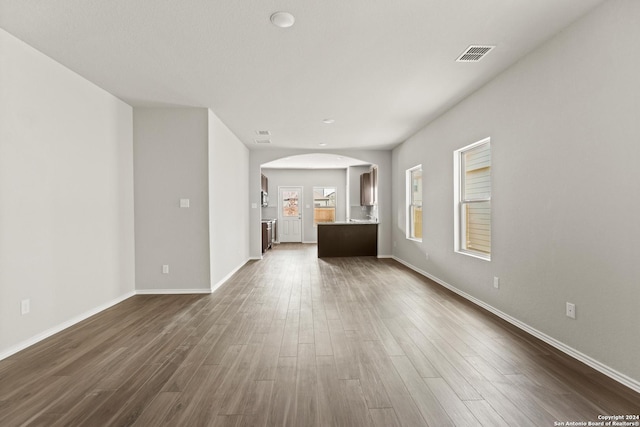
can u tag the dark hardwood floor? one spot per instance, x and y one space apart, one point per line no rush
294 340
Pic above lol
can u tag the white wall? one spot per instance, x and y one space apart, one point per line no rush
306 178
171 163
66 196
564 132
228 195
382 158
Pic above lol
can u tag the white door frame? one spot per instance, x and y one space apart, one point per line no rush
282 227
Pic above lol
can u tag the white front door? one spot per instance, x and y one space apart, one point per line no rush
290 214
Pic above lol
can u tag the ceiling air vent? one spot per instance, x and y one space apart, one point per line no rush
263 132
262 141
474 53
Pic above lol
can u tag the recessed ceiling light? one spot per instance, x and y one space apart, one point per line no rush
323 144
328 121
282 19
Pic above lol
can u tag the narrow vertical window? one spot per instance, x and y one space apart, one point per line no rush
414 203
472 166
324 204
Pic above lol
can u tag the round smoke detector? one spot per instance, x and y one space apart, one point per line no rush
282 19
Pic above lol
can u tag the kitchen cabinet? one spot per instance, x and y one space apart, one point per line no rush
366 189
274 231
369 187
347 239
264 191
269 233
374 185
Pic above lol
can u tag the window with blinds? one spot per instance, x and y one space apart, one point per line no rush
473 210
414 203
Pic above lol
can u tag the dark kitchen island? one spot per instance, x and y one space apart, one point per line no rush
341 239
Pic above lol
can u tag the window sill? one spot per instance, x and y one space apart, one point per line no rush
413 239
478 255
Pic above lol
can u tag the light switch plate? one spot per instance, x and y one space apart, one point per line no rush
25 306
184 203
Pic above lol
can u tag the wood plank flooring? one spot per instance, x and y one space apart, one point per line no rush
294 340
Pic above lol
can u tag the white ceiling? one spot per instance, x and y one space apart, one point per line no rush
381 69
314 161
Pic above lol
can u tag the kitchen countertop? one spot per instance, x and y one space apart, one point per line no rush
359 222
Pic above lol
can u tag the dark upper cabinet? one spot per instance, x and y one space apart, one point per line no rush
369 188
366 189
264 193
374 184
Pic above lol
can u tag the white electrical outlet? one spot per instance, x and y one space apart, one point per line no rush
496 282
165 269
25 306
571 310
184 203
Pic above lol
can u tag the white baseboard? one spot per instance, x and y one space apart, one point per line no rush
228 276
172 291
587 360
193 291
62 326
77 319
385 256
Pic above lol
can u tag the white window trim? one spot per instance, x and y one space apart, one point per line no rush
314 202
408 192
457 202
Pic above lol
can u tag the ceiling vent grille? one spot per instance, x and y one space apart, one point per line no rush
262 141
263 132
474 53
